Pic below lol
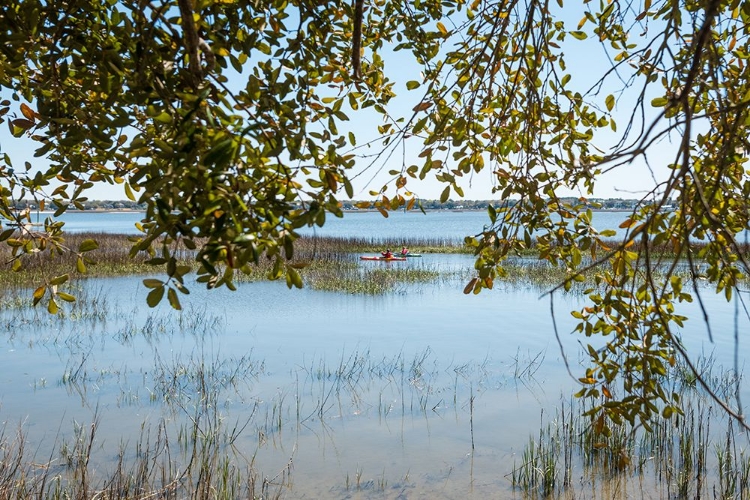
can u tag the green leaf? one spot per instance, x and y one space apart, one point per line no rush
293 278
445 194
580 35
66 297
164 117
154 296
412 84
88 245
152 283
59 280
52 306
174 301
22 123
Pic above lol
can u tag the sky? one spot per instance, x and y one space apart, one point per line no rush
586 61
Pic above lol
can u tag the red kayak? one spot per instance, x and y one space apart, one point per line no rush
365 257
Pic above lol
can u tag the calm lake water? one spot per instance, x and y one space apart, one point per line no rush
452 225
422 393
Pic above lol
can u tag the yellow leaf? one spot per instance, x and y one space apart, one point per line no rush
610 102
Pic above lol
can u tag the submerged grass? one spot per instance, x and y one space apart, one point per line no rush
202 466
698 454
197 448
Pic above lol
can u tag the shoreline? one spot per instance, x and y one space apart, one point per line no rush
355 210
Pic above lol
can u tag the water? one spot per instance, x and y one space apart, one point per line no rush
451 225
384 424
422 393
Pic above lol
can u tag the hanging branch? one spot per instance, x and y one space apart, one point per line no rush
193 43
357 38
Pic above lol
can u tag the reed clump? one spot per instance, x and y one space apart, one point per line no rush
204 466
198 448
326 263
311 245
697 454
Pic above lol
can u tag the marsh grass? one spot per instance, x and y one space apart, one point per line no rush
698 454
199 448
326 263
203 466
214 429
356 279
193 451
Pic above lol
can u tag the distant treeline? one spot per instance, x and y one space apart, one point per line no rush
599 203
88 205
603 203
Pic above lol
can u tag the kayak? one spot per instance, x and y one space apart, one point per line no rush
412 255
367 257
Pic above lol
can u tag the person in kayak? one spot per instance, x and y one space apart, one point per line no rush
404 251
387 254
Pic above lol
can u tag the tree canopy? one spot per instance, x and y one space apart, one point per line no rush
232 120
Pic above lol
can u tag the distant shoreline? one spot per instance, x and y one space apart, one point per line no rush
358 210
